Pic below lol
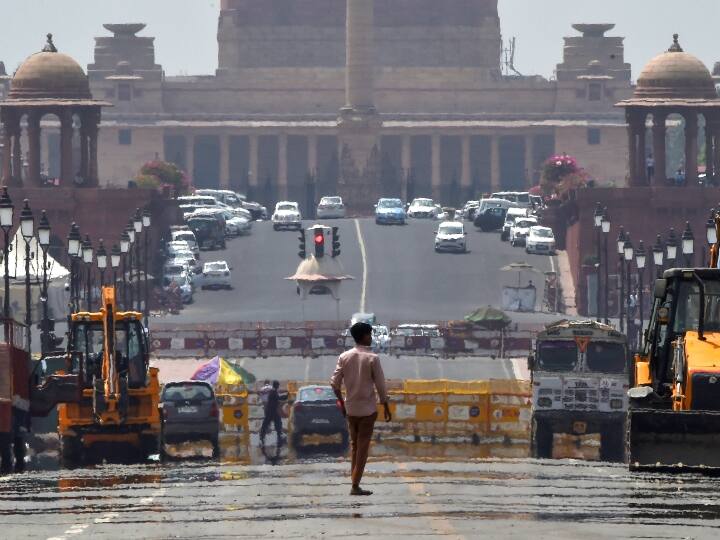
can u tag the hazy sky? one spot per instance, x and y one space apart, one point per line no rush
185 30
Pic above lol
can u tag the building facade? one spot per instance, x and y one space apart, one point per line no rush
429 108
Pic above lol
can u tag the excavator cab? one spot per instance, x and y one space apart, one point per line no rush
674 415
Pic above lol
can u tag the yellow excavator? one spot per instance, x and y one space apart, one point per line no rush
674 413
108 396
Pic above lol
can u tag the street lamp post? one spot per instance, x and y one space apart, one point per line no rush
658 252
44 241
6 222
102 260
597 221
27 228
688 245
671 245
146 224
131 235
621 259
640 259
124 249
74 242
138 227
628 255
115 255
711 233
605 226
87 257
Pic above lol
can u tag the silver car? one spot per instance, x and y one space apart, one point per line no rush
331 207
216 275
451 236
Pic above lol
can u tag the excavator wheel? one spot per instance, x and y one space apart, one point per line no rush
71 452
149 445
542 442
612 443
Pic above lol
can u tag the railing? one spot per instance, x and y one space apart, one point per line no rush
14 333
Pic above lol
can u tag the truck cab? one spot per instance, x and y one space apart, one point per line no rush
579 375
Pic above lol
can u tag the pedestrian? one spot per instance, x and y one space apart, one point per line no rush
272 414
679 178
264 391
650 166
360 371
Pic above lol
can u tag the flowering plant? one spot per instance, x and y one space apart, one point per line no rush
159 174
561 174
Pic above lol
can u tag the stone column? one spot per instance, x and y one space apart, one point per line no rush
466 173
17 156
405 164
359 84
312 154
67 172
659 132
436 179
93 129
709 147
529 163
7 157
224 161
691 148
716 149
84 146
632 118
253 180
282 167
641 152
495 164
33 131
189 156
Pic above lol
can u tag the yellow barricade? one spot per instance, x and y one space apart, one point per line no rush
235 412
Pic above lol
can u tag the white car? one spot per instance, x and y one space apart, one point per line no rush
451 236
540 240
188 237
176 246
287 216
380 338
510 217
331 207
520 230
188 258
423 208
234 224
216 275
175 272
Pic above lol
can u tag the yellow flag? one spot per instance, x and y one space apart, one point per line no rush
228 376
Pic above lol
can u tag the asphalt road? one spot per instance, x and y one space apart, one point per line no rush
509 499
397 274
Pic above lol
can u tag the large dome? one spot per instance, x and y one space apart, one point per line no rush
675 74
50 75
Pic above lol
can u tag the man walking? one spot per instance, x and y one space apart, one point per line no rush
360 370
272 414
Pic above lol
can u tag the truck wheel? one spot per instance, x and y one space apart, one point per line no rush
19 449
612 443
149 445
542 442
5 454
71 452
297 440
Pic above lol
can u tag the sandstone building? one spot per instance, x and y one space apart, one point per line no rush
358 92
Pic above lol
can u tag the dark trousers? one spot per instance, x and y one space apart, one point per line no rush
276 420
361 430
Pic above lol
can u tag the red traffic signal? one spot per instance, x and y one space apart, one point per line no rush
319 239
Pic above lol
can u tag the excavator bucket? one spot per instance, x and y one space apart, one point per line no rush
673 440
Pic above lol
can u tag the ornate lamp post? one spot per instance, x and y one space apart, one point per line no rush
605 227
44 241
124 250
621 258
102 261
27 228
87 257
658 252
640 259
628 253
711 231
597 222
131 235
138 227
688 245
146 260
6 223
74 242
671 245
115 255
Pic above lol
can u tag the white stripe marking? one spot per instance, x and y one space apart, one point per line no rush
552 263
363 254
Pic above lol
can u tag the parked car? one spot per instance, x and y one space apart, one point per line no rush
451 236
389 211
187 236
423 208
520 230
216 275
468 211
258 211
316 411
209 231
380 338
187 290
521 198
287 216
189 412
540 240
331 207
187 257
491 219
175 272
510 217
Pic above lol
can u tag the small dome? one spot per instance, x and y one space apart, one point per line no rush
675 74
50 75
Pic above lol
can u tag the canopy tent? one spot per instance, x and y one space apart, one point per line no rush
16 261
489 317
219 372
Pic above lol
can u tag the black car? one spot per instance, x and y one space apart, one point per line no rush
316 411
209 232
189 413
490 219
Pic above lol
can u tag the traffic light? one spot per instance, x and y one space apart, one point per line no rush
319 239
302 253
335 242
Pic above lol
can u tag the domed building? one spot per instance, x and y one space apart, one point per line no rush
50 83
673 82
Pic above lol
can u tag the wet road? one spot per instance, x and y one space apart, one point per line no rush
476 498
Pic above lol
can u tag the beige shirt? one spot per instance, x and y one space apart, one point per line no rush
360 370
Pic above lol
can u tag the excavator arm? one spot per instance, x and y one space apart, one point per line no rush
110 377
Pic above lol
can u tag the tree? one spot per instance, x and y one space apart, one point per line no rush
159 174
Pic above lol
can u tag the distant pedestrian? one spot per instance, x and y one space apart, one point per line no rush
360 370
650 166
264 391
679 177
272 414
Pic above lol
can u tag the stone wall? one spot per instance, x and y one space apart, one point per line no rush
607 161
119 163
